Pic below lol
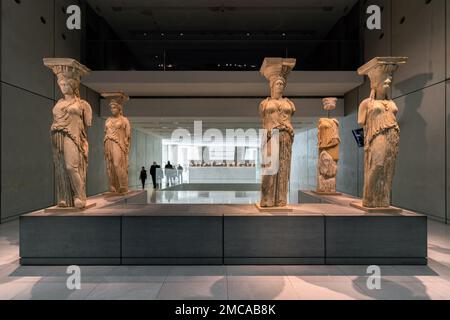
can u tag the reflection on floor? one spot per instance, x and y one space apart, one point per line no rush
212 197
211 193
226 282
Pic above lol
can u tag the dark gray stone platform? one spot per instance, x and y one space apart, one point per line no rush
70 240
281 239
168 234
172 240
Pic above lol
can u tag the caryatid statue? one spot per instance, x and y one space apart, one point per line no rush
377 114
276 113
71 117
328 145
117 143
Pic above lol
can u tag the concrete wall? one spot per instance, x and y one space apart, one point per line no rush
417 30
304 160
31 30
145 148
96 177
350 174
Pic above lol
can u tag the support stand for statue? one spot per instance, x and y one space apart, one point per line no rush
359 205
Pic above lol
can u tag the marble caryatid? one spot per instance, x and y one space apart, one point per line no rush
71 117
276 113
377 115
328 145
117 143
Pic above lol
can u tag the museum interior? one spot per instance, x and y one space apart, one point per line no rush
225 149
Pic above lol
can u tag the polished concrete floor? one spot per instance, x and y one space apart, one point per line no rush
226 282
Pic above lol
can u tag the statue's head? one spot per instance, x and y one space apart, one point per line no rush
276 70
116 102
381 78
116 109
68 85
277 86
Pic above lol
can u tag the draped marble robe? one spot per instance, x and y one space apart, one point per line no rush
276 115
382 137
328 145
70 150
117 147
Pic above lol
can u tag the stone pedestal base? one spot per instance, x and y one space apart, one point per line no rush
286 209
359 205
116 194
89 205
326 193
203 234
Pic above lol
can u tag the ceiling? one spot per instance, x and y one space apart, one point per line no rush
226 35
170 34
127 17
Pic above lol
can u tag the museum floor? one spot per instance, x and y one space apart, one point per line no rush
226 282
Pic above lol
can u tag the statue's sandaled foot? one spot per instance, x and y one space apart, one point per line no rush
265 205
62 204
112 190
123 190
79 204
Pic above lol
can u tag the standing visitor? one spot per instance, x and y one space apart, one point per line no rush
143 177
153 169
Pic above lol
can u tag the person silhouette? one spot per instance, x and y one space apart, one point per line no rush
153 169
143 177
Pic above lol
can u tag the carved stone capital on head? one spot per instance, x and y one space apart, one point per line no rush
393 62
273 68
329 104
67 67
116 97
